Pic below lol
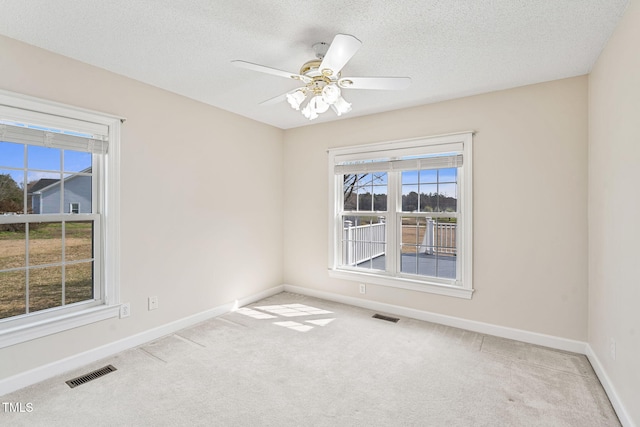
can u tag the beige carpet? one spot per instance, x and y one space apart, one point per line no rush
291 360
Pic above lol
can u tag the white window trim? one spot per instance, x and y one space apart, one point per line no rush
57 320
423 145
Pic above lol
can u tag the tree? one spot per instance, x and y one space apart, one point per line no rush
11 195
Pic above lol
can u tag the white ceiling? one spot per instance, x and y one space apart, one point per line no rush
450 48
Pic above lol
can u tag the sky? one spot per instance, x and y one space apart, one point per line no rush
42 162
441 181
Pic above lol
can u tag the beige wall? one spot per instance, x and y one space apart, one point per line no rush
197 230
614 209
530 204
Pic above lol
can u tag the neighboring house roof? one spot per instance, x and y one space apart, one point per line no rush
48 183
42 183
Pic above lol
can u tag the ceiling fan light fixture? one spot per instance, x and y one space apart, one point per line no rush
341 106
330 93
296 98
309 112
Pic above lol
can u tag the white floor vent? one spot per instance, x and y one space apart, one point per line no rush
90 376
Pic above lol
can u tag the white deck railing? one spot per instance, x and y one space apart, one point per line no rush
364 242
440 239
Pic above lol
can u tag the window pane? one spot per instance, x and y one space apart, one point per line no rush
11 155
447 198
409 198
45 288
11 191
410 177
351 183
433 190
364 242
379 197
429 176
365 192
78 284
77 192
76 161
78 240
448 175
45 243
43 193
12 293
428 247
12 246
364 199
43 158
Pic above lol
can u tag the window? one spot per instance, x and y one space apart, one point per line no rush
58 179
401 214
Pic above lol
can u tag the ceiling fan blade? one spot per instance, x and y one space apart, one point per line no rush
269 70
274 100
379 83
341 50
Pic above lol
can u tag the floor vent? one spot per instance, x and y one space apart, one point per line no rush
91 376
387 318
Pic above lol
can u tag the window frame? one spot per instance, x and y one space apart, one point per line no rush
463 287
23 108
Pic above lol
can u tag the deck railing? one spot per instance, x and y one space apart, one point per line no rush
439 238
364 242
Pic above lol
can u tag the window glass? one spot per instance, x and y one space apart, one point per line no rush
45 288
12 246
11 191
364 241
43 158
78 240
78 282
76 161
13 297
365 192
428 246
11 155
45 243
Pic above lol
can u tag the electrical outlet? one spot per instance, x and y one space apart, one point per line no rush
153 303
363 288
612 348
125 310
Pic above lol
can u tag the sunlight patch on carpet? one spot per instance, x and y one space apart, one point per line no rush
320 322
295 326
292 310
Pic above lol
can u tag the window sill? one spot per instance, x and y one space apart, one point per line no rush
402 283
23 333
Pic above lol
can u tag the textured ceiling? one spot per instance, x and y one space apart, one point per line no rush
449 48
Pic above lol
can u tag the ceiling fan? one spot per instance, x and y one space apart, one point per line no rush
322 79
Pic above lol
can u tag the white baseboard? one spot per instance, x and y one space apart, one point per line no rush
456 322
623 415
59 367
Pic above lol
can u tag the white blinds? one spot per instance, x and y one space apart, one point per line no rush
25 135
434 162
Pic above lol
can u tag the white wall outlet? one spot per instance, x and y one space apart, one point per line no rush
363 288
153 303
125 310
612 348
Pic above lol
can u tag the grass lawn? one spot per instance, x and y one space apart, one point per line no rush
45 284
